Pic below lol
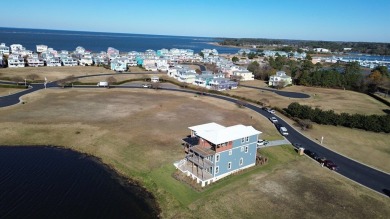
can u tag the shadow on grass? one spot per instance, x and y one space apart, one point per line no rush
387 111
387 192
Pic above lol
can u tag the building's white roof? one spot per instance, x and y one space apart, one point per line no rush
218 134
207 127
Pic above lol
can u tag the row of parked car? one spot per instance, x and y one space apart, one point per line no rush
322 160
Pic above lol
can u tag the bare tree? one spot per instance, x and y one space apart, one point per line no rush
32 77
17 79
111 80
264 102
156 85
281 84
68 80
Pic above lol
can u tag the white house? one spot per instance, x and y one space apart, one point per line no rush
321 50
41 48
4 49
34 61
244 74
15 61
15 48
280 76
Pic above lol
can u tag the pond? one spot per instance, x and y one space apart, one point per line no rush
51 182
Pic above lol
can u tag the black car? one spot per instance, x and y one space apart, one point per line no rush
311 154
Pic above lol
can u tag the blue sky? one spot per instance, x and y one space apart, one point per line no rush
342 20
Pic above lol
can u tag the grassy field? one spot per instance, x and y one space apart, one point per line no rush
56 73
8 91
323 98
138 132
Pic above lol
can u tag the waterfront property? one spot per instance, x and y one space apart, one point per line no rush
213 151
4 50
15 61
279 79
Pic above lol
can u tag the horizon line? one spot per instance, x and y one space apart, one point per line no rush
90 31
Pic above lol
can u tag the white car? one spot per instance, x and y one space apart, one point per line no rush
262 142
273 119
271 111
146 85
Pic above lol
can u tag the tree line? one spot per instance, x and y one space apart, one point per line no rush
294 45
374 123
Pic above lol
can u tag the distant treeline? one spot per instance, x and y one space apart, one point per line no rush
360 47
374 123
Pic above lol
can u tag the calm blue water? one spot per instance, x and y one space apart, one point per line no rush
96 41
46 182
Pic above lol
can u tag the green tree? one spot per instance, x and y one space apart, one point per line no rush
201 54
235 59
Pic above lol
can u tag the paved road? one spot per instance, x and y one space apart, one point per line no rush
281 93
369 177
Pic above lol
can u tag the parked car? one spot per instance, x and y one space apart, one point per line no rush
146 85
262 142
283 130
311 154
102 84
271 111
330 165
273 119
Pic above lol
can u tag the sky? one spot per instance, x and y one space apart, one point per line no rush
330 20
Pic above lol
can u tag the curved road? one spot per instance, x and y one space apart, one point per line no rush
281 93
367 176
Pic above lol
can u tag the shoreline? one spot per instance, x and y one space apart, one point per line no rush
129 184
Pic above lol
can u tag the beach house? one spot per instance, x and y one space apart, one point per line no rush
4 50
243 75
222 84
41 48
16 61
34 60
213 151
279 78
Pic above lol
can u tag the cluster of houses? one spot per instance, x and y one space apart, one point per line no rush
19 56
163 60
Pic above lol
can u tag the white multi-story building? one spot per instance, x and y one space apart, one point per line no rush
280 77
4 50
41 48
34 61
244 75
16 48
16 61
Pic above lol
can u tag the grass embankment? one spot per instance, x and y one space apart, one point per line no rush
367 147
138 133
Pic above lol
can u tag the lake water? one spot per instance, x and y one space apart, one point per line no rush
47 182
96 41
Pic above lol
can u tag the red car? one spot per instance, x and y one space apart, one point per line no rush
330 165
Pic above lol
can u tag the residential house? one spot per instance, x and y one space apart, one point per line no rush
4 50
186 75
213 151
15 61
321 50
154 79
35 61
222 84
15 48
244 51
243 75
280 77
41 48
119 64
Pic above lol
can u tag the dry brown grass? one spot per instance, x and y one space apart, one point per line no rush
323 98
299 189
8 91
138 132
53 73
